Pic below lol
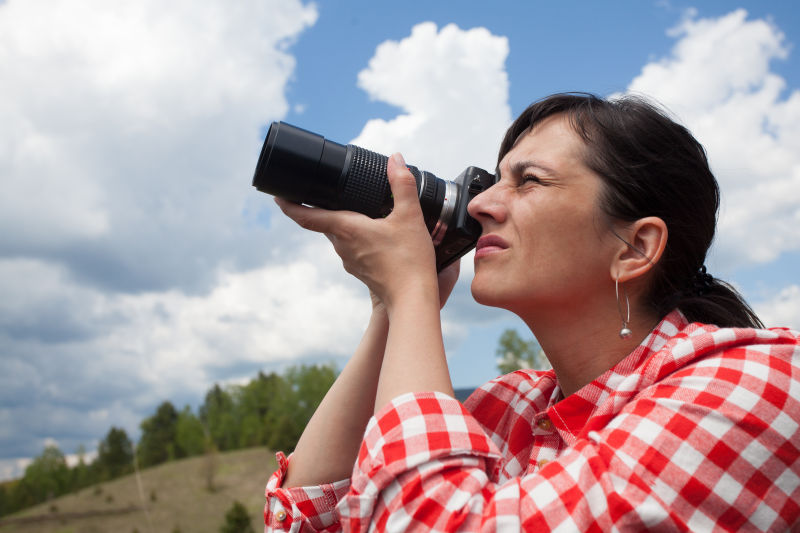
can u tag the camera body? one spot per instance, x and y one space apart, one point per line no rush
306 168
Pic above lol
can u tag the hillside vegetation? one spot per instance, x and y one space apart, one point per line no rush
175 496
270 410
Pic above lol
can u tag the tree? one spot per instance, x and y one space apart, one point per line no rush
237 520
81 475
115 454
46 477
256 402
157 444
190 438
310 384
514 353
305 388
217 414
5 506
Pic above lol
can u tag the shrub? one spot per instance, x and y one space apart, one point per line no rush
237 520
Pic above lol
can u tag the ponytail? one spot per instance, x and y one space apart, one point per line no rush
712 301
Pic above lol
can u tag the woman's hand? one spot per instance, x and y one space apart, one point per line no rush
392 256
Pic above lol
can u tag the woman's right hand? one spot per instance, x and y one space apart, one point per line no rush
393 256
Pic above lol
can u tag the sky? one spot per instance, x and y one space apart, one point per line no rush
138 264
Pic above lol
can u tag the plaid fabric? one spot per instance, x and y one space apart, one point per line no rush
697 429
301 509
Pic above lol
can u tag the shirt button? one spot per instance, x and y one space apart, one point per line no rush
542 462
545 424
280 515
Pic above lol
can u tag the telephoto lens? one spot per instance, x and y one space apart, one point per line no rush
306 168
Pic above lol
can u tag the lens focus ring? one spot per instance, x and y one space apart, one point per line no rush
366 188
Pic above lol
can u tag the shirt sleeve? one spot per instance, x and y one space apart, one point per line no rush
684 461
301 508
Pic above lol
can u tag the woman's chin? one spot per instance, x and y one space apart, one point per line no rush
486 293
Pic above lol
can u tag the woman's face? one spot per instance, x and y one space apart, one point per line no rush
545 243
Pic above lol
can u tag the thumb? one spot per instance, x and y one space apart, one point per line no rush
402 183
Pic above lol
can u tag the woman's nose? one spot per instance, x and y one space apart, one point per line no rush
487 205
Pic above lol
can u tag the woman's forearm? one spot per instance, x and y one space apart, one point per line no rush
414 358
395 258
329 445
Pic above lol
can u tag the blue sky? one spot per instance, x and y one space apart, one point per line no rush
553 46
137 264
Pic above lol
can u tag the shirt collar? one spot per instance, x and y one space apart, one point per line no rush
623 380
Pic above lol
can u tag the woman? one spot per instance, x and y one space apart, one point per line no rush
668 406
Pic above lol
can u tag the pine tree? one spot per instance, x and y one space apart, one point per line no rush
157 444
190 436
237 520
115 454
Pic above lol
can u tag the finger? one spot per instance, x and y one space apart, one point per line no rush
402 183
311 218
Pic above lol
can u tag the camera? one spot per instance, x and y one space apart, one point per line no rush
306 168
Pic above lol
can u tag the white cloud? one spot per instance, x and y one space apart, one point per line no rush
15 468
169 339
130 131
783 309
718 81
132 276
452 88
126 352
278 312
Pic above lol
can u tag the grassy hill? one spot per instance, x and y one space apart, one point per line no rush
175 497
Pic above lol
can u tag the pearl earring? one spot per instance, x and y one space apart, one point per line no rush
625 332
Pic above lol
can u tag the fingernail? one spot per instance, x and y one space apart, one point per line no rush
398 159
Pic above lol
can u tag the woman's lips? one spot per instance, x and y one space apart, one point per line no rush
489 244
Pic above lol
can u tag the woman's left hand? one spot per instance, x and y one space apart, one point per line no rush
390 255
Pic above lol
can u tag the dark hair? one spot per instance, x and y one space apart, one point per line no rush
652 166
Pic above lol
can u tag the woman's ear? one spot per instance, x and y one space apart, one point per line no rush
645 240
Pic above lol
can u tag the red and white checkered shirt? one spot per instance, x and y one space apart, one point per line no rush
697 429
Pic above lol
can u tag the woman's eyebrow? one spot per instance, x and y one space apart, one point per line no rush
519 167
